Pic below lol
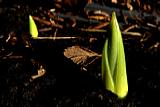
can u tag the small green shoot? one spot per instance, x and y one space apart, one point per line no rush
114 73
32 28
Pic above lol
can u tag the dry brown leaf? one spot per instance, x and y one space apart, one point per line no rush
79 55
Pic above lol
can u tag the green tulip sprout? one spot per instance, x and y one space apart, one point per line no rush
114 73
32 28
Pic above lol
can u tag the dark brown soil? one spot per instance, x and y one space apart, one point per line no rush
65 84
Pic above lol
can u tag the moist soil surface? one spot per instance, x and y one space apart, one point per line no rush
66 83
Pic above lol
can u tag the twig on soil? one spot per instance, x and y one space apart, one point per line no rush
97 17
45 29
151 25
99 12
77 18
54 38
12 38
156 45
132 33
132 15
41 72
146 36
13 57
55 34
130 27
85 66
47 22
9 36
101 25
55 17
93 30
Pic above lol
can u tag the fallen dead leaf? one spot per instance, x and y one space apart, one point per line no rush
79 55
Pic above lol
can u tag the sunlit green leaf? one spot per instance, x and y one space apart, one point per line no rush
32 28
113 61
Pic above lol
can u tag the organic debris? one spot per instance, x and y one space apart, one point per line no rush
80 55
41 72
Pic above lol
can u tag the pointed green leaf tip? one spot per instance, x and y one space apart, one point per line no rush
32 28
114 73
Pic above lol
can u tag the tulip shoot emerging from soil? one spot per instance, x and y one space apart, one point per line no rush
114 73
32 28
